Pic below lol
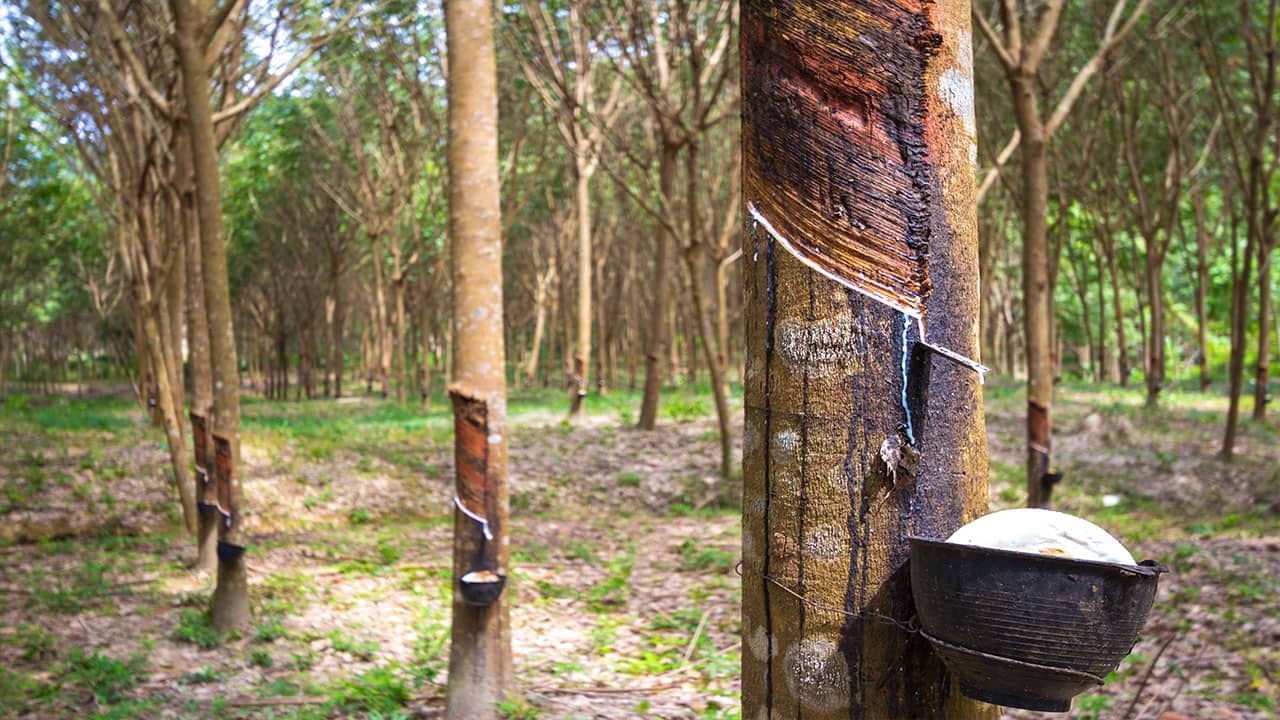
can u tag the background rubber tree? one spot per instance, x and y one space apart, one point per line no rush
480 650
858 128
1021 55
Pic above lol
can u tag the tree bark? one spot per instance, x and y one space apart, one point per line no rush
1037 302
1202 292
582 351
657 339
1155 339
201 376
1122 345
480 652
830 489
1241 272
382 338
702 316
230 608
539 329
1262 374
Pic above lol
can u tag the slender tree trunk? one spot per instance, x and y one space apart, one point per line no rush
231 596
425 321
702 316
402 380
1037 301
657 339
1202 293
1239 326
539 327
1155 339
201 380
175 304
1103 360
723 354
382 337
1263 370
602 335
1122 345
480 652
582 352
825 515
169 415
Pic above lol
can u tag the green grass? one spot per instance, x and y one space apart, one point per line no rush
195 627
85 588
699 556
106 677
381 690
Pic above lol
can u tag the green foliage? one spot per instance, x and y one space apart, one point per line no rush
684 408
109 679
516 707
87 587
202 676
269 629
629 479
260 657
698 556
612 592
361 649
195 627
38 644
378 690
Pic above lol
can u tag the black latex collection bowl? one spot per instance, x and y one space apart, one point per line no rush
1028 630
481 593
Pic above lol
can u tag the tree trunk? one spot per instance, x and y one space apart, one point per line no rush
1202 292
175 305
231 596
382 336
1122 345
1036 298
402 378
1239 326
169 415
480 651
825 517
1155 338
539 328
719 390
657 339
582 352
201 378
1263 372
1103 359
702 316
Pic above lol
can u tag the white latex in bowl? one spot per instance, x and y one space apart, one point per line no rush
1043 531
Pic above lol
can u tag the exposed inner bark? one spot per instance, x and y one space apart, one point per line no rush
471 457
207 533
842 173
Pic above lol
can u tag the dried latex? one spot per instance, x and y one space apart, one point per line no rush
1043 531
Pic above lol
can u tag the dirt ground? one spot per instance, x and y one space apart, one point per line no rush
625 600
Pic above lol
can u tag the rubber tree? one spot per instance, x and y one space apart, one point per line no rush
480 650
858 144
1022 56
231 595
